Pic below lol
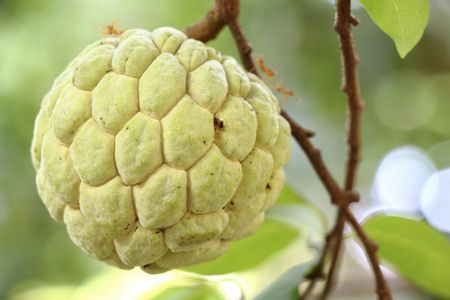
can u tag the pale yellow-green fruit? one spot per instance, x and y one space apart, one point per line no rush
156 151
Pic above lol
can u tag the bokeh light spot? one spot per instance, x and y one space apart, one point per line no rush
400 177
435 200
405 101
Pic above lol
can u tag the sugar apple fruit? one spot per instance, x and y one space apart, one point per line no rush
156 151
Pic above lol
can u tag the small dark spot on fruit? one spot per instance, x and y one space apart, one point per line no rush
204 142
146 266
268 187
218 124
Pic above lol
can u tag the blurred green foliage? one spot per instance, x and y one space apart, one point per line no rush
37 39
286 286
199 292
269 239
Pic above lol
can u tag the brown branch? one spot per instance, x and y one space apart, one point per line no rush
226 12
350 85
341 198
343 26
314 155
337 232
371 248
245 49
210 26
317 273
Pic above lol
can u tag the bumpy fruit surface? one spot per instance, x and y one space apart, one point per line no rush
156 151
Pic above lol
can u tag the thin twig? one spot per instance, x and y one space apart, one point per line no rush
317 273
336 252
315 157
371 248
343 26
209 27
350 85
226 12
245 49
342 199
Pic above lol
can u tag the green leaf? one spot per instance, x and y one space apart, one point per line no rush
403 20
303 216
197 292
283 225
418 251
286 286
294 209
251 251
288 195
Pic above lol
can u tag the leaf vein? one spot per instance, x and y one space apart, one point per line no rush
402 26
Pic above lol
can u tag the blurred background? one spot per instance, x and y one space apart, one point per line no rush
405 165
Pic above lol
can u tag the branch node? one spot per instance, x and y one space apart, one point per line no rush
374 246
309 133
353 196
354 20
